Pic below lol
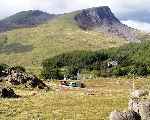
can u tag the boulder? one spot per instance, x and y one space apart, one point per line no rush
130 115
6 92
133 104
140 106
35 82
144 109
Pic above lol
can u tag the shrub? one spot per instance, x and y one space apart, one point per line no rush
120 71
52 74
132 59
73 61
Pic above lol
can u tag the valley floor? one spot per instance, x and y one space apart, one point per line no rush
93 103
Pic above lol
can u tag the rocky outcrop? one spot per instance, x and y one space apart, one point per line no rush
96 17
17 77
103 20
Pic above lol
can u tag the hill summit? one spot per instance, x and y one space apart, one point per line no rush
102 19
22 19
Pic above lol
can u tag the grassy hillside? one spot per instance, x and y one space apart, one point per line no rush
29 46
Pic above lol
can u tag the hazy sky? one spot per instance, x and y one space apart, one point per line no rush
125 9
8 7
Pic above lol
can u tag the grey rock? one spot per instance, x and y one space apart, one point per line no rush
103 20
144 109
130 115
133 104
139 93
6 92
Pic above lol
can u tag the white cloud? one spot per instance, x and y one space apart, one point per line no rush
119 7
52 6
138 25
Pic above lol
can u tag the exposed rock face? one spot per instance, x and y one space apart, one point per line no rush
103 20
95 17
25 19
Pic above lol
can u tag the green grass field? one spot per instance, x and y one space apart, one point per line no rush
110 94
29 46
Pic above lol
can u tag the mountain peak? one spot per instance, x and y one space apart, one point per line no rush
103 20
22 19
96 16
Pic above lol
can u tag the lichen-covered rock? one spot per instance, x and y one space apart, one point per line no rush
130 115
116 116
140 106
139 93
133 104
144 109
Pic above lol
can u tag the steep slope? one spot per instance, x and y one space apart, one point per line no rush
25 19
103 20
47 40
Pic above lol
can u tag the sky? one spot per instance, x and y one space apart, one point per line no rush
131 12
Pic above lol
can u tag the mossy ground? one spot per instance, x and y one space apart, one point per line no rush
110 94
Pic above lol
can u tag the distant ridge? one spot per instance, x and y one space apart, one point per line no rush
22 19
102 19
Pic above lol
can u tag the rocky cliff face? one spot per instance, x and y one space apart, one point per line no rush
103 20
96 17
